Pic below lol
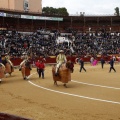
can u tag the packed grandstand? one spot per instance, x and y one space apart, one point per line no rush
40 35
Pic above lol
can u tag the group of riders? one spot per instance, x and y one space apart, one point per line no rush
7 67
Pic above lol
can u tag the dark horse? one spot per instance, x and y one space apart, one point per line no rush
8 66
25 68
64 73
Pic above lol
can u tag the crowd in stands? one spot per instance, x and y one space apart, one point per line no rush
44 43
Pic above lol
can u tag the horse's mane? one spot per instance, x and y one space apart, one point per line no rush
68 65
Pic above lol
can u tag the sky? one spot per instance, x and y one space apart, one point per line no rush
90 7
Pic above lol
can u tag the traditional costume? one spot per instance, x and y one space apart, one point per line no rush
61 58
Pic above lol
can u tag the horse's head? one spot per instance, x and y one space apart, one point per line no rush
70 66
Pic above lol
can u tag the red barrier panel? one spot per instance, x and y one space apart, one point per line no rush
17 61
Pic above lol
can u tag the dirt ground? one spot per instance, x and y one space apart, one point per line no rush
91 95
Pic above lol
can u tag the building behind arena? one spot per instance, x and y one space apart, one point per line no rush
27 16
22 5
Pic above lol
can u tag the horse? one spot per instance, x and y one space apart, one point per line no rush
2 70
8 66
25 68
64 73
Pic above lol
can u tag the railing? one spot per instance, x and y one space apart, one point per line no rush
52 60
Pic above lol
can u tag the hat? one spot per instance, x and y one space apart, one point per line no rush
24 53
61 51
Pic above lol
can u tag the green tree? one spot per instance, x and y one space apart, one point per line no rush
117 11
55 11
63 11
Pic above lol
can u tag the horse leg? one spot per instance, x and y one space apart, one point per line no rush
55 83
10 73
65 85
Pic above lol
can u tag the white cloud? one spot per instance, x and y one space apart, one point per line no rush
87 6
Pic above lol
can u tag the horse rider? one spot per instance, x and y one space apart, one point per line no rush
5 59
60 59
25 58
8 59
25 68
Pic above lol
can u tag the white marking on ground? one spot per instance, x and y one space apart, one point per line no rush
85 97
96 85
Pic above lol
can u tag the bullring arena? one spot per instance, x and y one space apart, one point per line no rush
91 95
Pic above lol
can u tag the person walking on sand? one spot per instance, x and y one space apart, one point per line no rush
111 65
102 62
41 67
81 63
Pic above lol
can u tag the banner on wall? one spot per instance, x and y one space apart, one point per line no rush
27 16
30 17
1 13
13 15
47 18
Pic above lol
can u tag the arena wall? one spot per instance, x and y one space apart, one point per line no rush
34 5
7 4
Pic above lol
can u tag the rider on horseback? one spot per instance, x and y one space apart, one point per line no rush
61 58
25 58
8 59
5 59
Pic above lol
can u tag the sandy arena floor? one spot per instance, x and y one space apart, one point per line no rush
94 95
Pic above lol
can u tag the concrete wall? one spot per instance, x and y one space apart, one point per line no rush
11 4
19 5
34 5
4 4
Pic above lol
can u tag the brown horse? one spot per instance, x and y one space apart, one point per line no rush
8 66
64 73
25 68
2 71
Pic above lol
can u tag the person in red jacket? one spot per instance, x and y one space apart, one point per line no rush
41 68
